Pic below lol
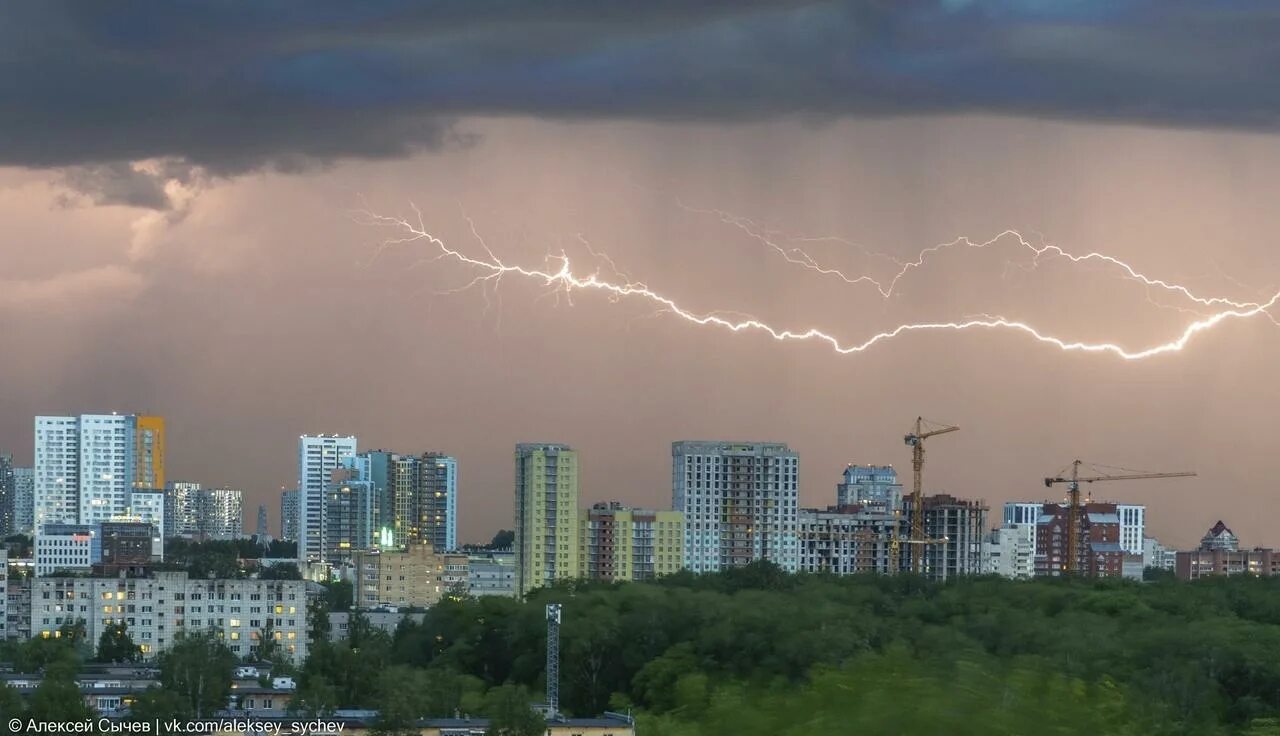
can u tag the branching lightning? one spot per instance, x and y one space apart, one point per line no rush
563 280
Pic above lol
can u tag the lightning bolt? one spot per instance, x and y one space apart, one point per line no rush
801 258
563 280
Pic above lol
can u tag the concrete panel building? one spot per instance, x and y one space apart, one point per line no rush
546 515
1010 551
159 608
24 485
492 573
959 529
740 503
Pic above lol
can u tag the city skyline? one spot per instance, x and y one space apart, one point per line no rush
191 264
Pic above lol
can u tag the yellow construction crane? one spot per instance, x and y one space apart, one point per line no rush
896 542
1071 564
916 441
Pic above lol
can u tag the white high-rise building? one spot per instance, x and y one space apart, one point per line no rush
220 513
147 505
740 501
83 467
318 457
1010 551
1133 527
1024 512
182 508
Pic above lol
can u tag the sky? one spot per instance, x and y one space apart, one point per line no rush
186 191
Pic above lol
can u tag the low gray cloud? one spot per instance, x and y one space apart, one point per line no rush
229 87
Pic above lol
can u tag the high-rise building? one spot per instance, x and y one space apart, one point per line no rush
1133 527
24 489
957 529
1098 550
1024 513
220 513
148 452
289 515
621 543
1010 551
740 501
181 509
261 530
1155 554
546 518
378 467
348 516
436 502
85 466
7 495
870 486
318 457
848 540
147 506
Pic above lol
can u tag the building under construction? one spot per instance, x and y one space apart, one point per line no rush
955 531
847 540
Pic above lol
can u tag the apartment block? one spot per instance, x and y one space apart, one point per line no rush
957 529
546 515
1010 551
318 457
849 539
158 609
618 543
740 503
874 487
415 577
1099 553
492 573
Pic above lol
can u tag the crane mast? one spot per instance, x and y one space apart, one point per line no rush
916 441
1075 511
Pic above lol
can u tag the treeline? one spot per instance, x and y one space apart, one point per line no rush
758 651
219 558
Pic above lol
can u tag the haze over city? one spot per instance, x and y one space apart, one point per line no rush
217 266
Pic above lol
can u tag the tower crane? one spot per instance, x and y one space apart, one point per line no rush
916 441
1074 480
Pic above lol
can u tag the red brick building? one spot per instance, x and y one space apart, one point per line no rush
1099 553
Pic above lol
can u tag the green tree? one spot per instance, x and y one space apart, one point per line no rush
198 668
11 705
115 645
503 539
58 697
316 697
268 647
158 704
511 714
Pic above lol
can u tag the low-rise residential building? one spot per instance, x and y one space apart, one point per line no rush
382 619
847 540
67 548
627 544
492 573
159 608
1220 554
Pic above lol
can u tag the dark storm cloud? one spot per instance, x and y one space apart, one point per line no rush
237 86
